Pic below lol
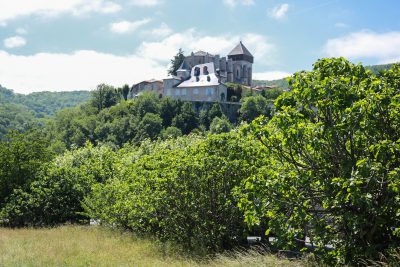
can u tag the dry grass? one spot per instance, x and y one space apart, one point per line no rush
96 246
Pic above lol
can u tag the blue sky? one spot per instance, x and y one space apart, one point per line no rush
76 44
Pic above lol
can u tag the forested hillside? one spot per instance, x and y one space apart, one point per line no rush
21 112
44 103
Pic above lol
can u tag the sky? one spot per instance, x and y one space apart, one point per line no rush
64 45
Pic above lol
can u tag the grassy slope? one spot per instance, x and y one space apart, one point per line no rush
96 246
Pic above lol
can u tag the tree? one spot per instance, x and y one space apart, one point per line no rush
149 127
272 93
21 156
333 171
254 106
187 119
215 111
220 125
125 91
171 132
104 96
176 62
168 110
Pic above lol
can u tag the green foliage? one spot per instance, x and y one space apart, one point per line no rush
20 112
220 125
21 156
271 94
234 92
180 190
15 117
332 172
150 126
254 106
380 68
43 104
56 193
104 96
124 91
171 132
176 62
187 119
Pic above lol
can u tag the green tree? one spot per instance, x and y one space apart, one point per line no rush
176 62
187 119
104 96
333 171
21 156
254 106
271 94
125 91
168 110
220 125
149 127
171 132
56 194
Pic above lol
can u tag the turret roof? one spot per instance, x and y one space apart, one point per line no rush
240 49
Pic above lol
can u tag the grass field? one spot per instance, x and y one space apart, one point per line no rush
97 246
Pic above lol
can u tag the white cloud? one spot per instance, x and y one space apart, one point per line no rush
341 25
366 44
271 75
21 31
145 3
3 24
234 3
161 31
16 8
127 26
190 40
13 42
279 12
86 69
81 70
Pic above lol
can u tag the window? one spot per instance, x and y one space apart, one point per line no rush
183 92
210 91
205 70
196 91
196 71
177 91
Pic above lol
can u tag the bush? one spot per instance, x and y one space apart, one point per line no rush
180 190
56 194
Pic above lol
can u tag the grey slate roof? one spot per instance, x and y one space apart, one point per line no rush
202 53
240 49
184 66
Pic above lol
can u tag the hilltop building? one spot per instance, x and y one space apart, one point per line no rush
201 76
152 85
237 67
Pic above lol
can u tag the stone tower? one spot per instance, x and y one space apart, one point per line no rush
240 65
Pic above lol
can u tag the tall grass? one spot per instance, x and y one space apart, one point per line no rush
97 246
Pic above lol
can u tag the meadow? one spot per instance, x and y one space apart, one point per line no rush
98 246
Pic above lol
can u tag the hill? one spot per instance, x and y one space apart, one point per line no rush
282 83
44 103
20 112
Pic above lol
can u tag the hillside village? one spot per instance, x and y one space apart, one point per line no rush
202 77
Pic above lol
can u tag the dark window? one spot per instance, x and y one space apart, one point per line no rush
205 70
